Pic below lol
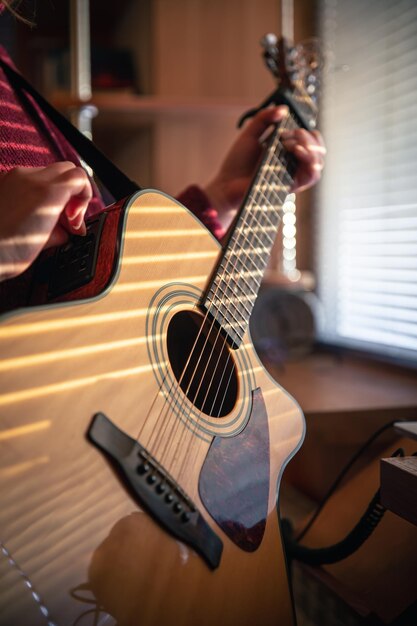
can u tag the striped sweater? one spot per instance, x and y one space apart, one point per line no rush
29 139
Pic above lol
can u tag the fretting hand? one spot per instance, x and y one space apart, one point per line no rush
227 190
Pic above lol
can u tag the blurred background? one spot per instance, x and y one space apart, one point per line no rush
160 85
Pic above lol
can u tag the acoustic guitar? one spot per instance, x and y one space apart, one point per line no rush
142 441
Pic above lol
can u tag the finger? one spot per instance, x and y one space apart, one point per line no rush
49 172
319 138
263 120
73 191
79 193
73 215
303 145
311 142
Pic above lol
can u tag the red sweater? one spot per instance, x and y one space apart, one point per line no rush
29 139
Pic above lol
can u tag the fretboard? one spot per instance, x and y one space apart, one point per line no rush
234 286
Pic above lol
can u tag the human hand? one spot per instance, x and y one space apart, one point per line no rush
39 208
227 190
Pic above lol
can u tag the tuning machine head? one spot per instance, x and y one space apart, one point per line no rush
292 66
269 42
280 57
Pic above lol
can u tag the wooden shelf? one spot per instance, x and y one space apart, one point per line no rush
122 108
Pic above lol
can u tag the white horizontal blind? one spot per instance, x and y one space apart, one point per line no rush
367 235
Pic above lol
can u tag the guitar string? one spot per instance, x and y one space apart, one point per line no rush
266 179
264 245
179 383
178 388
173 431
253 217
165 424
279 211
209 362
293 125
253 234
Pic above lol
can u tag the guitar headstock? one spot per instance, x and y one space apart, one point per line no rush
297 70
294 67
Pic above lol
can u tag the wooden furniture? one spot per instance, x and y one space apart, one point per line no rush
345 398
399 486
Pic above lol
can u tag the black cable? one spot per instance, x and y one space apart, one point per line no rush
343 473
347 546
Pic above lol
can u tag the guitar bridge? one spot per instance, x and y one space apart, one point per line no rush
156 490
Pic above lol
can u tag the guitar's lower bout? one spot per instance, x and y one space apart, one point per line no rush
154 488
71 534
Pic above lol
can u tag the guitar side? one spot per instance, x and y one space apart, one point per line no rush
76 548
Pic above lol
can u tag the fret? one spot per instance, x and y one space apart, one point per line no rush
275 168
278 200
262 219
233 290
244 263
238 301
247 230
220 310
271 188
236 288
266 219
242 254
264 209
248 236
242 276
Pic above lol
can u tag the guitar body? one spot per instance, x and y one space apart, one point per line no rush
76 546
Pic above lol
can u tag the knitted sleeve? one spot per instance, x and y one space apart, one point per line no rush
194 198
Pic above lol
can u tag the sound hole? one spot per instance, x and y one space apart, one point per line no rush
202 363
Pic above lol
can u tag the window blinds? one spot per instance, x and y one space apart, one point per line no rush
367 208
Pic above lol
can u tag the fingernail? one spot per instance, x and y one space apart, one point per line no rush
282 109
81 229
72 218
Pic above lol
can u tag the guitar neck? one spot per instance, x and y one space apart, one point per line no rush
233 289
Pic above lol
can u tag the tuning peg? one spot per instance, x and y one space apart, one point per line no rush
269 40
292 53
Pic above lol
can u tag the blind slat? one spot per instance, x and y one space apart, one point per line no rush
367 223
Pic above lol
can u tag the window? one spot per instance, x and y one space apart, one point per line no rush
367 206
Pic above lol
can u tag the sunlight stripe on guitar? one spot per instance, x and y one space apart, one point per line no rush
46 390
18 468
154 284
158 234
21 431
19 330
161 210
59 355
162 258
